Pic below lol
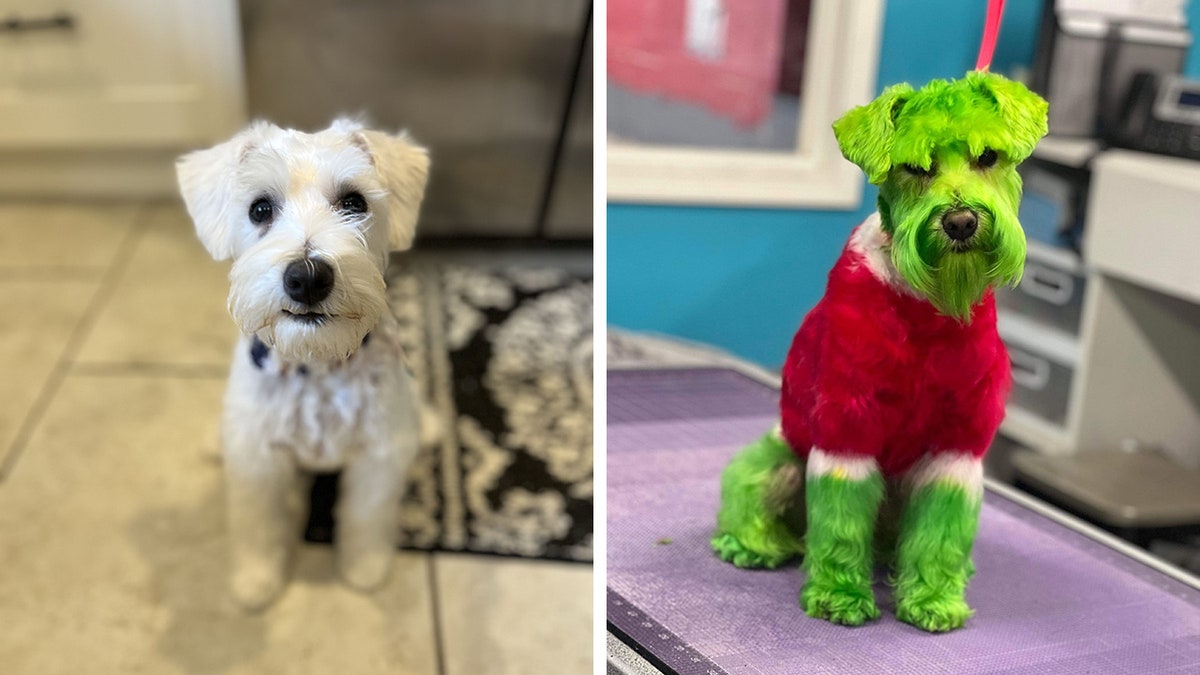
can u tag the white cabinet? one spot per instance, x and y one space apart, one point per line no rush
113 83
1136 361
1144 221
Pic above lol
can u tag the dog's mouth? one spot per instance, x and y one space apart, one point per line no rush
310 318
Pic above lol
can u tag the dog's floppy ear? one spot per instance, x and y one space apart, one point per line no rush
1024 112
206 181
865 134
403 168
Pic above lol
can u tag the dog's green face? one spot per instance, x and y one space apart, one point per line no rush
944 158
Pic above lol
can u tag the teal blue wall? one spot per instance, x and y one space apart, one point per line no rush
742 279
1191 67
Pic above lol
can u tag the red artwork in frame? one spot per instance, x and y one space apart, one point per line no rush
723 55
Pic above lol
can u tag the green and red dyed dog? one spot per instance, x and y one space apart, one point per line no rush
894 386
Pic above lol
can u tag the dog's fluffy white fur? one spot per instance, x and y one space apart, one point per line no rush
318 397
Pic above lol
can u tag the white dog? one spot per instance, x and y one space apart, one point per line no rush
318 381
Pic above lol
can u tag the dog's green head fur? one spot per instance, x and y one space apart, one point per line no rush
948 149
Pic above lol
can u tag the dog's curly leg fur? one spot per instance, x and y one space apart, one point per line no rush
933 559
842 511
757 491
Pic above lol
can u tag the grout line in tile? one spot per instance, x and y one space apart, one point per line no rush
79 333
143 369
436 605
51 273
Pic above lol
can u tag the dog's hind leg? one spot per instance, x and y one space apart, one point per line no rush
937 531
844 494
761 521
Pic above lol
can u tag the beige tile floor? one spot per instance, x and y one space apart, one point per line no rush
112 556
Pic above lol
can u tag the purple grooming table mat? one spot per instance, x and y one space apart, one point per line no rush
1047 599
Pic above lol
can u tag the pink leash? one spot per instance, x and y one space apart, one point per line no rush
991 29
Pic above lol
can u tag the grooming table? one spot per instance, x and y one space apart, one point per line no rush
1051 594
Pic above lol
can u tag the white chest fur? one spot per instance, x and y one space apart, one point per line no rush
324 415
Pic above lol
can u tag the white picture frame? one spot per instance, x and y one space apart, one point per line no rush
839 73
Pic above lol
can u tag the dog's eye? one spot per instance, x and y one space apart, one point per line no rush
261 211
914 170
352 202
986 159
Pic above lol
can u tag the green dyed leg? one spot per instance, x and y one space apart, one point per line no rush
757 526
841 522
933 559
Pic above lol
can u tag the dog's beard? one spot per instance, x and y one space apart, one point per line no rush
257 304
334 339
954 277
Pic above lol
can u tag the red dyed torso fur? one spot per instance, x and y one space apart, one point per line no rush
875 371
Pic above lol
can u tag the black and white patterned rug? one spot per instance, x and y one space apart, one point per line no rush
503 359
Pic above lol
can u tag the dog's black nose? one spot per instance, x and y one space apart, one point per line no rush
308 280
960 224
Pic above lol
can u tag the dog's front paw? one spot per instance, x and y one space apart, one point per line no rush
844 605
366 571
255 585
936 615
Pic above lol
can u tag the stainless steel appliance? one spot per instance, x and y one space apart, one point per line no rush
486 84
1089 51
